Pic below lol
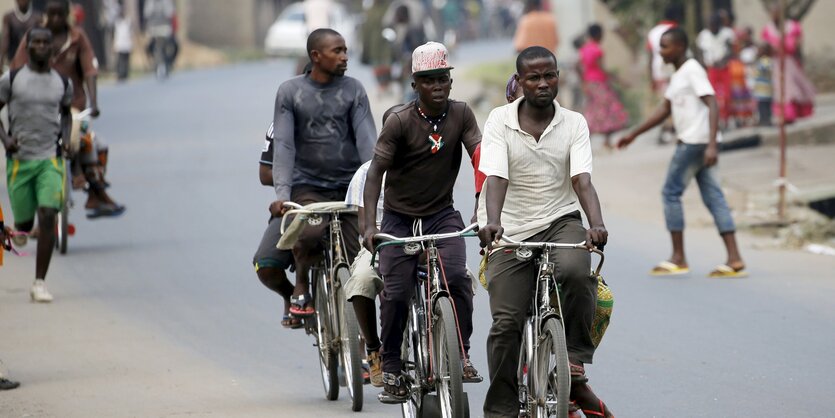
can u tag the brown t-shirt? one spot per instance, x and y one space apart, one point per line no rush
74 59
419 182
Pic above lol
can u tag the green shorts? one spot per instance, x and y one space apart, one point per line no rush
34 184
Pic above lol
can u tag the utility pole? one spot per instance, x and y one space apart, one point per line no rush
781 202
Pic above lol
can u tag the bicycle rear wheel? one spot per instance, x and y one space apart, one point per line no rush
550 378
62 221
328 357
446 358
349 347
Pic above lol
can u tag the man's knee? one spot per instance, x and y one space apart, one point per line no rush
506 325
280 260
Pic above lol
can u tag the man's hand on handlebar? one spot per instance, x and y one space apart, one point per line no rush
95 112
597 236
490 234
277 208
368 237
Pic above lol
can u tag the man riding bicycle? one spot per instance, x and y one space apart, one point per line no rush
419 150
73 57
323 131
538 161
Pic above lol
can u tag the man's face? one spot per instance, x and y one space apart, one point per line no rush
670 50
332 56
433 89
56 15
23 4
40 47
539 80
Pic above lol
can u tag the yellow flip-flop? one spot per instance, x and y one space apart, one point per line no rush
666 268
726 271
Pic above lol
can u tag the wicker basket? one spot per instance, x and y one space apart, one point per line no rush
602 312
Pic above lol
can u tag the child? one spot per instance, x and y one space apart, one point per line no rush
762 84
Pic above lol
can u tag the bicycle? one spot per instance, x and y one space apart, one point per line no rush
431 351
543 374
334 324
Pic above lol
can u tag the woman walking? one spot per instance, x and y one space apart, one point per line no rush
603 110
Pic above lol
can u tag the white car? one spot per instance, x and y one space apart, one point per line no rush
287 37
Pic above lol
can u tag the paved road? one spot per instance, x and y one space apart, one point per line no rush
160 313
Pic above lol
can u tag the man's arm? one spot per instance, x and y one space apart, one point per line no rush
66 126
596 234
21 57
265 174
5 40
284 150
712 150
662 113
365 132
471 137
89 66
494 200
371 194
9 142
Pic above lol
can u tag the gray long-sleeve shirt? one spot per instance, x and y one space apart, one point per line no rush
323 133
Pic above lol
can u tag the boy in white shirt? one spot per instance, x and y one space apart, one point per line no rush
691 100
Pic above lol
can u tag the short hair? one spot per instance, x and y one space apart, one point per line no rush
315 39
595 30
678 35
38 30
531 53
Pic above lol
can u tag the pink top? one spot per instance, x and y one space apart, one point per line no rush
591 57
794 34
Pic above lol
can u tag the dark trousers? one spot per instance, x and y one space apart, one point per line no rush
122 65
511 285
399 272
764 111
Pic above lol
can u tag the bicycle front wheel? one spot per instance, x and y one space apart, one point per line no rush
550 375
349 335
446 359
328 357
62 221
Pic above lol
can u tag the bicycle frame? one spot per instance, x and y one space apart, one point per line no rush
428 291
543 306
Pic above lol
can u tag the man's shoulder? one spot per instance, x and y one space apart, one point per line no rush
572 118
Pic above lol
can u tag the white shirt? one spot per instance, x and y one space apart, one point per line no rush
122 39
357 187
660 70
715 46
690 114
539 174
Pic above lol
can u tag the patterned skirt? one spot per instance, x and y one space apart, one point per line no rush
603 110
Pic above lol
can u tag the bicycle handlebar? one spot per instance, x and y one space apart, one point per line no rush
387 239
297 209
82 114
510 244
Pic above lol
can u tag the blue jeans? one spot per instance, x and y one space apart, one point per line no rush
688 162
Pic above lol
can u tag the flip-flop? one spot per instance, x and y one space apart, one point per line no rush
301 305
291 322
666 268
726 271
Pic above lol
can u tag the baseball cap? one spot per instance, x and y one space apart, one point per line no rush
429 58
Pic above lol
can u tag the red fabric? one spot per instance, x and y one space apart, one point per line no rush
720 79
480 178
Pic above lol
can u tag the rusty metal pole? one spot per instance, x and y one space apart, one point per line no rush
781 203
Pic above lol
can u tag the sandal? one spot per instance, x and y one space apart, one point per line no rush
291 322
726 271
470 374
301 305
666 268
604 412
395 389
